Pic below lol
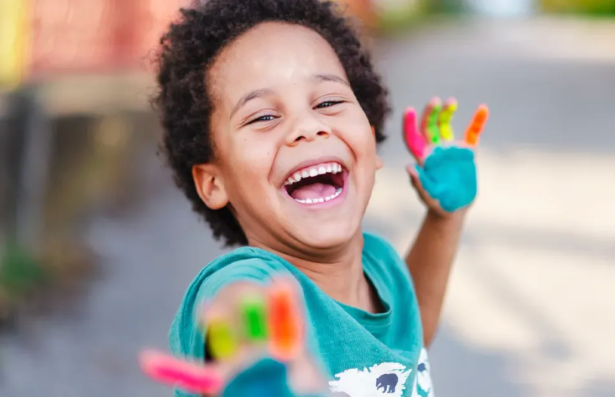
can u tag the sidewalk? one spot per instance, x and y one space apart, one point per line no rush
533 280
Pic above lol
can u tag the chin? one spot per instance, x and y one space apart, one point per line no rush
327 235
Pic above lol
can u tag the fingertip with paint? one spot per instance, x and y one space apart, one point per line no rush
222 339
172 371
451 104
477 125
483 111
435 101
284 322
409 116
254 310
410 127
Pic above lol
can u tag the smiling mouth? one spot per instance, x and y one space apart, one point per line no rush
316 184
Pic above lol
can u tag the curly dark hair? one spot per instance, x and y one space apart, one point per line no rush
189 48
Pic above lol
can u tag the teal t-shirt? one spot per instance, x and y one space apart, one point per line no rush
363 354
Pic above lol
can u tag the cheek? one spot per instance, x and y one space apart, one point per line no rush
359 134
250 165
363 144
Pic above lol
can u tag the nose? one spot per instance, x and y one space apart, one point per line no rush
307 128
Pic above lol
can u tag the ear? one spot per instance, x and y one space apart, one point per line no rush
210 185
379 162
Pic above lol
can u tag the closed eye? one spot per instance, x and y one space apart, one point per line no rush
327 104
262 119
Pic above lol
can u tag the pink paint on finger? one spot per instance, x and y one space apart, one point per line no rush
414 140
172 371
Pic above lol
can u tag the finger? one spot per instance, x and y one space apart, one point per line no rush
448 110
425 115
224 322
222 337
414 176
285 320
191 377
254 314
475 128
417 185
429 121
414 140
431 187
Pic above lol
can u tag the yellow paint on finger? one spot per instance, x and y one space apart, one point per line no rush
446 129
222 339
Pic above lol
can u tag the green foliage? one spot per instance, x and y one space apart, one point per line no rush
19 272
447 6
585 7
402 16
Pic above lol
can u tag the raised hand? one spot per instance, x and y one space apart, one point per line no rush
256 336
445 173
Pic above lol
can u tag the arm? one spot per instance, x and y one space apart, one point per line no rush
445 179
429 262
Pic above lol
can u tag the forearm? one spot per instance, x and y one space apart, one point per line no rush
429 261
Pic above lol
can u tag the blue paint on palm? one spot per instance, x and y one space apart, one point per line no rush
265 378
449 176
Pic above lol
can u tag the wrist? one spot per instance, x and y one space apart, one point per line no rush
441 216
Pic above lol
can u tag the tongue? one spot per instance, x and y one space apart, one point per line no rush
313 191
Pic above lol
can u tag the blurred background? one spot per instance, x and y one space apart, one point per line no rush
97 247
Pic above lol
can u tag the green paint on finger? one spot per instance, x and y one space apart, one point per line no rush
433 131
255 319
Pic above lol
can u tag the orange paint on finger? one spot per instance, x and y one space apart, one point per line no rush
285 324
477 125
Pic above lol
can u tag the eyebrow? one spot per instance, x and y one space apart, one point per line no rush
250 96
330 77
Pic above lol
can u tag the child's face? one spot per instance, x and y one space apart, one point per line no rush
284 108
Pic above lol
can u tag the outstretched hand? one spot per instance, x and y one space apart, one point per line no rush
445 173
256 337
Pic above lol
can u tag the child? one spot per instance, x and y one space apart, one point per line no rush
272 113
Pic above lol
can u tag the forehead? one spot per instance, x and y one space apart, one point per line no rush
272 54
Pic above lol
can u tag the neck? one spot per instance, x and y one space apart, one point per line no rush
339 275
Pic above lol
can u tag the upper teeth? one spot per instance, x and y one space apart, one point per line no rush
320 169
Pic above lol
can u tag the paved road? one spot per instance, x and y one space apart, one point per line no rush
530 307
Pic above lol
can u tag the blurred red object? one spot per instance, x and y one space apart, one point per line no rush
96 36
363 10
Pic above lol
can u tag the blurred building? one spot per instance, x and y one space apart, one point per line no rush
75 81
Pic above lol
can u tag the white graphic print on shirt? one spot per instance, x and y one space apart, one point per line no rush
385 379
422 381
